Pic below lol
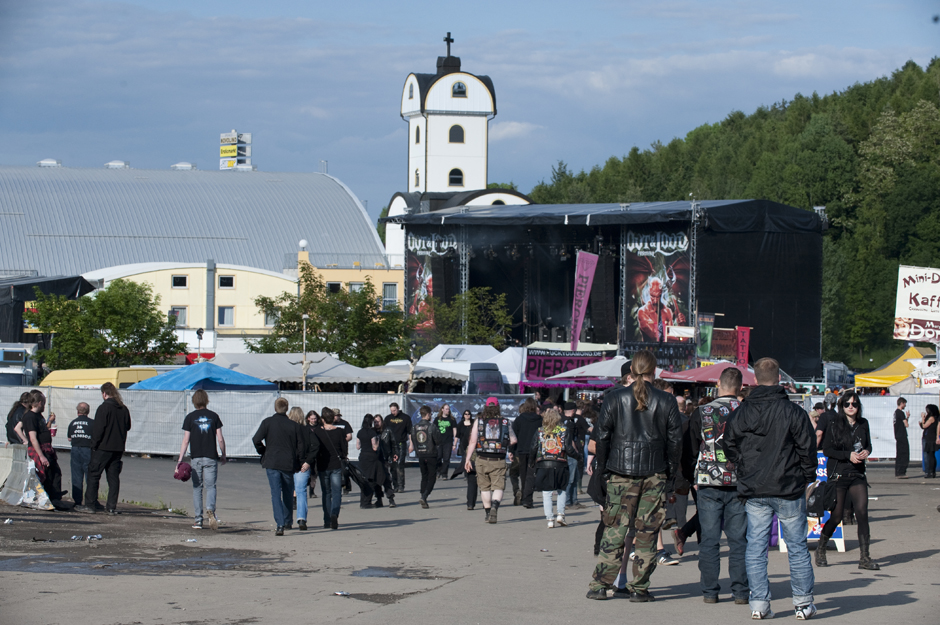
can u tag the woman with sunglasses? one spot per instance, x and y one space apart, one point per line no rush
847 444
464 431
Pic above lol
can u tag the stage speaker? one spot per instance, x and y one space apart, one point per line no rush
559 335
545 335
604 296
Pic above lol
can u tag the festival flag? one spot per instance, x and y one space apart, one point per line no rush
583 279
706 323
743 344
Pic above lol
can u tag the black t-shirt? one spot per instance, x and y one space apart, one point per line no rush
332 447
79 432
464 431
343 425
14 418
202 426
365 437
900 432
35 422
399 425
445 427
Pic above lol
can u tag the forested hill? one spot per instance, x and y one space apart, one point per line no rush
870 154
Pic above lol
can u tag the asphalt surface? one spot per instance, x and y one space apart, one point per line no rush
440 565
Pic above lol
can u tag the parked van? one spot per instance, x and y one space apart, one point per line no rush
485 379
121 377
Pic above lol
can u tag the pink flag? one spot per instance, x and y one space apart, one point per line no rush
583 279
743 344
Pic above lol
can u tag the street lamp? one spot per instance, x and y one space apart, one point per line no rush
199 333
304 383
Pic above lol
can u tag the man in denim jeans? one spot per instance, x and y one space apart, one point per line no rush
203 428
770 441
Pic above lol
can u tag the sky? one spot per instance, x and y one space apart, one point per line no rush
154 83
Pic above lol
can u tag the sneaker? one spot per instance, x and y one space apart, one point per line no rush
632 556
85 509
279 531
560 520
710 599
805 612
197 525
642 596
424 504
665 559
551 524
600 594
213 521
757 615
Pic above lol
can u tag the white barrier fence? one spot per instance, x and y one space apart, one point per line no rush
157 416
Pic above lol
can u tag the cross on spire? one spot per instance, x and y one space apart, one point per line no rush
448 40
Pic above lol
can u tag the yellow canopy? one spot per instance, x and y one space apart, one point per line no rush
892 372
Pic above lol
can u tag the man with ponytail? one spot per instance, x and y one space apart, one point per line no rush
108 439
639 439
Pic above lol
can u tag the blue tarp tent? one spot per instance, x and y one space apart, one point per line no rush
204 375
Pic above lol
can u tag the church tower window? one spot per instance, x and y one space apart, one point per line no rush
456 134
418 134
417 178
456 178
411 92
459 90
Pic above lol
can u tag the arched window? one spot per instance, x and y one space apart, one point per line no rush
459 90
411 91
417 178
418 134
456 134
456 178
499 203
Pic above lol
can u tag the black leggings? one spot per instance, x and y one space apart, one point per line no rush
858 494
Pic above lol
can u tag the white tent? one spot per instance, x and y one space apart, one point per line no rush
324 369
511 363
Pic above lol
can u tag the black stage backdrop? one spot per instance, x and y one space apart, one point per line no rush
15 292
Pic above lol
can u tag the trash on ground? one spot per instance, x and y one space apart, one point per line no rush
8 522
543 550
93 537
42 540
191 540
341 593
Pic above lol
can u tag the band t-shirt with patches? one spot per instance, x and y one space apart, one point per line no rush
202 426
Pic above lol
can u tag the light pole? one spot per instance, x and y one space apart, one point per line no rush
199 333
304 384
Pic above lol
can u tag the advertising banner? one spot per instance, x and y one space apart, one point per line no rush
583 279
706 323
419 279
227 138
544 363
227 163
228 151
724 344
743 345
917 308
658 269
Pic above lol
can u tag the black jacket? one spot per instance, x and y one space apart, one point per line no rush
639 444
839 450
526 427
771 443
281 443
112 422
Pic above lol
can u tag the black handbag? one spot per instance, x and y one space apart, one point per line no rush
348 467
821 497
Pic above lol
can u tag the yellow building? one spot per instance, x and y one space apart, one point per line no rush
389 282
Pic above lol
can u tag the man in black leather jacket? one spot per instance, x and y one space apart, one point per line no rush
639 439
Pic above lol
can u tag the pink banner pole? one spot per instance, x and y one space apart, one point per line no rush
583 279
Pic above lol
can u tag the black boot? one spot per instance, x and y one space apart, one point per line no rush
487 511
864 555
821 551
492 518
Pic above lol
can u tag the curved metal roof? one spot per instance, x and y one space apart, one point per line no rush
72 221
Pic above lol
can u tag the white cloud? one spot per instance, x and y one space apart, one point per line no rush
501 131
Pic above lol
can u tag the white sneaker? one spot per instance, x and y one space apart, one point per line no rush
560 521
805 612
760 616
664 558
551 524
632 556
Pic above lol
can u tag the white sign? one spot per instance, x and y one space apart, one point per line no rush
917 308
229 138
227 163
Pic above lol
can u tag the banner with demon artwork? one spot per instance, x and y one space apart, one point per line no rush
658 269
419 278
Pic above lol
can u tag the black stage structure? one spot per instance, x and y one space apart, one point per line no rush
756 262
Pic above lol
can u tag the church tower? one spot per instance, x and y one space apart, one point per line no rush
448 117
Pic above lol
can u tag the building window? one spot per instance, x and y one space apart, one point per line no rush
355 287
180 282
226 316
180 313
417 178
389 295
411 91
418 134
456 134
334 287
499 203
226 282
459 90
270 318
456 178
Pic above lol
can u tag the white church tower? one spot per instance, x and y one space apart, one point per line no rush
448 115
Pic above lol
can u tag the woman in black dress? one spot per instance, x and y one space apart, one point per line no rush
386 456
928 423
847 443
367 442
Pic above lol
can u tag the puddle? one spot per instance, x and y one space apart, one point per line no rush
225 561
394 573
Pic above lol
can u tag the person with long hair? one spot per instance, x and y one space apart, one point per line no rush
847 444
302 476
552 446
367 442
446 425
313 423
387 456
15 417
330 458
108 441
463 437
928 423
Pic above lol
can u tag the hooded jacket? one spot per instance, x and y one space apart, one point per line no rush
770 442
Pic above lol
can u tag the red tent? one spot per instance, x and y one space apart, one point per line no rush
710 374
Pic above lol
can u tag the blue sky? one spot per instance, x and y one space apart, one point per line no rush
154 83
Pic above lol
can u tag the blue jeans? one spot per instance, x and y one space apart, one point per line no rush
282 495
547 503
205 471
301 479
714 506
80 457
792 515
331 497
571 493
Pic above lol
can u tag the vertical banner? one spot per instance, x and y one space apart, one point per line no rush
419 279
583 279
743 344
657 283
706 323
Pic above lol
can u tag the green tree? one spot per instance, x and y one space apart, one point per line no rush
118 326
488 321
503 185
353 326
381 226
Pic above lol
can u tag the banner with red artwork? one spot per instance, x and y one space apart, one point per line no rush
583 279
419 282
743 344
658 270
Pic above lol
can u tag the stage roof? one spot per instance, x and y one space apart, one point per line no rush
720 215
